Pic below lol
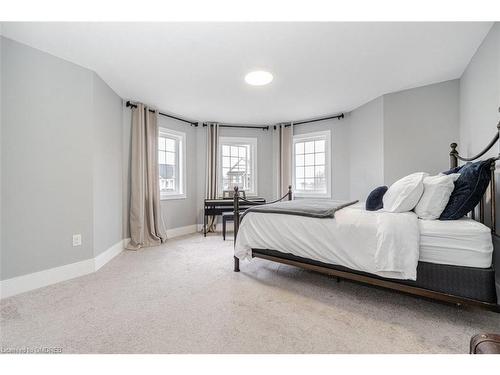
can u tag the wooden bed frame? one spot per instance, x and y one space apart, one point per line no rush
478 213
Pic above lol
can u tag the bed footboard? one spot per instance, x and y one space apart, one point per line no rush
237 217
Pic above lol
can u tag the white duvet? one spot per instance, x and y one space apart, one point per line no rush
381 243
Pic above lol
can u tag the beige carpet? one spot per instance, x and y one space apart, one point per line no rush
184 298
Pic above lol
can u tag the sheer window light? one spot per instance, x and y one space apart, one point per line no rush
311 164
172 164
237 164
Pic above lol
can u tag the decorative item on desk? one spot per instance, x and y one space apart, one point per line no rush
229 194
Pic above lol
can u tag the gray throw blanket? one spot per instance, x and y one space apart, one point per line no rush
318 208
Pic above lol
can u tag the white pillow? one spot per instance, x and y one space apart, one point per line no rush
437 192
404 194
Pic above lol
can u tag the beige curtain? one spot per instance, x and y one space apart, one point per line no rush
146 223
282 146
212 156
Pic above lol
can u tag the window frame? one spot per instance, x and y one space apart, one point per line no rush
314 136
180 158
234 141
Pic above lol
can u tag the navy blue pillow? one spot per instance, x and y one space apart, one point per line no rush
456 169
374 200
469 189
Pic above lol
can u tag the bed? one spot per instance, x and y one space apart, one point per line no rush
452 261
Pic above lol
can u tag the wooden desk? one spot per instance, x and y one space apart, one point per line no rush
215 207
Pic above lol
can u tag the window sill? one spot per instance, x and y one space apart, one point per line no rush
171 197
247 194
312 195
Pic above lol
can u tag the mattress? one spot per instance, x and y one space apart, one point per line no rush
463 242
350 240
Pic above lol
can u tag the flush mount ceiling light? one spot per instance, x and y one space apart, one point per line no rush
258 78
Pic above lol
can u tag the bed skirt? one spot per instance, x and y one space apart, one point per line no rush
467 282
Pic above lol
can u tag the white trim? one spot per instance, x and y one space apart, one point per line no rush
181 163
218 229
326 134
172 197
21 284
252 141
36 280
181 231
109 254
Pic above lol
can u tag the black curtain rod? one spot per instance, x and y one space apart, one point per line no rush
341 116
129 104
240 126
194 123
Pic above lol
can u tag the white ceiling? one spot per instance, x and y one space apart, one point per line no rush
197 69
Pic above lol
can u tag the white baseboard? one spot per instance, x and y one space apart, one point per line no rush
25 283
218 228
181 231
109 254
21 284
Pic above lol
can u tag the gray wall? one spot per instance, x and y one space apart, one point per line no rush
189 211
126 161
264 162
58 118
264 157
176 212
419 125
1 118
480 96
480 100
265 179
47 161
339 132
366 149
46 112
182 212
107 165
201 162
402 133
372 145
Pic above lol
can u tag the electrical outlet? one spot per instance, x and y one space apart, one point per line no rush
77 239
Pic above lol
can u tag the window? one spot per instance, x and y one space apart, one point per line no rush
311 164
238 164
172 164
